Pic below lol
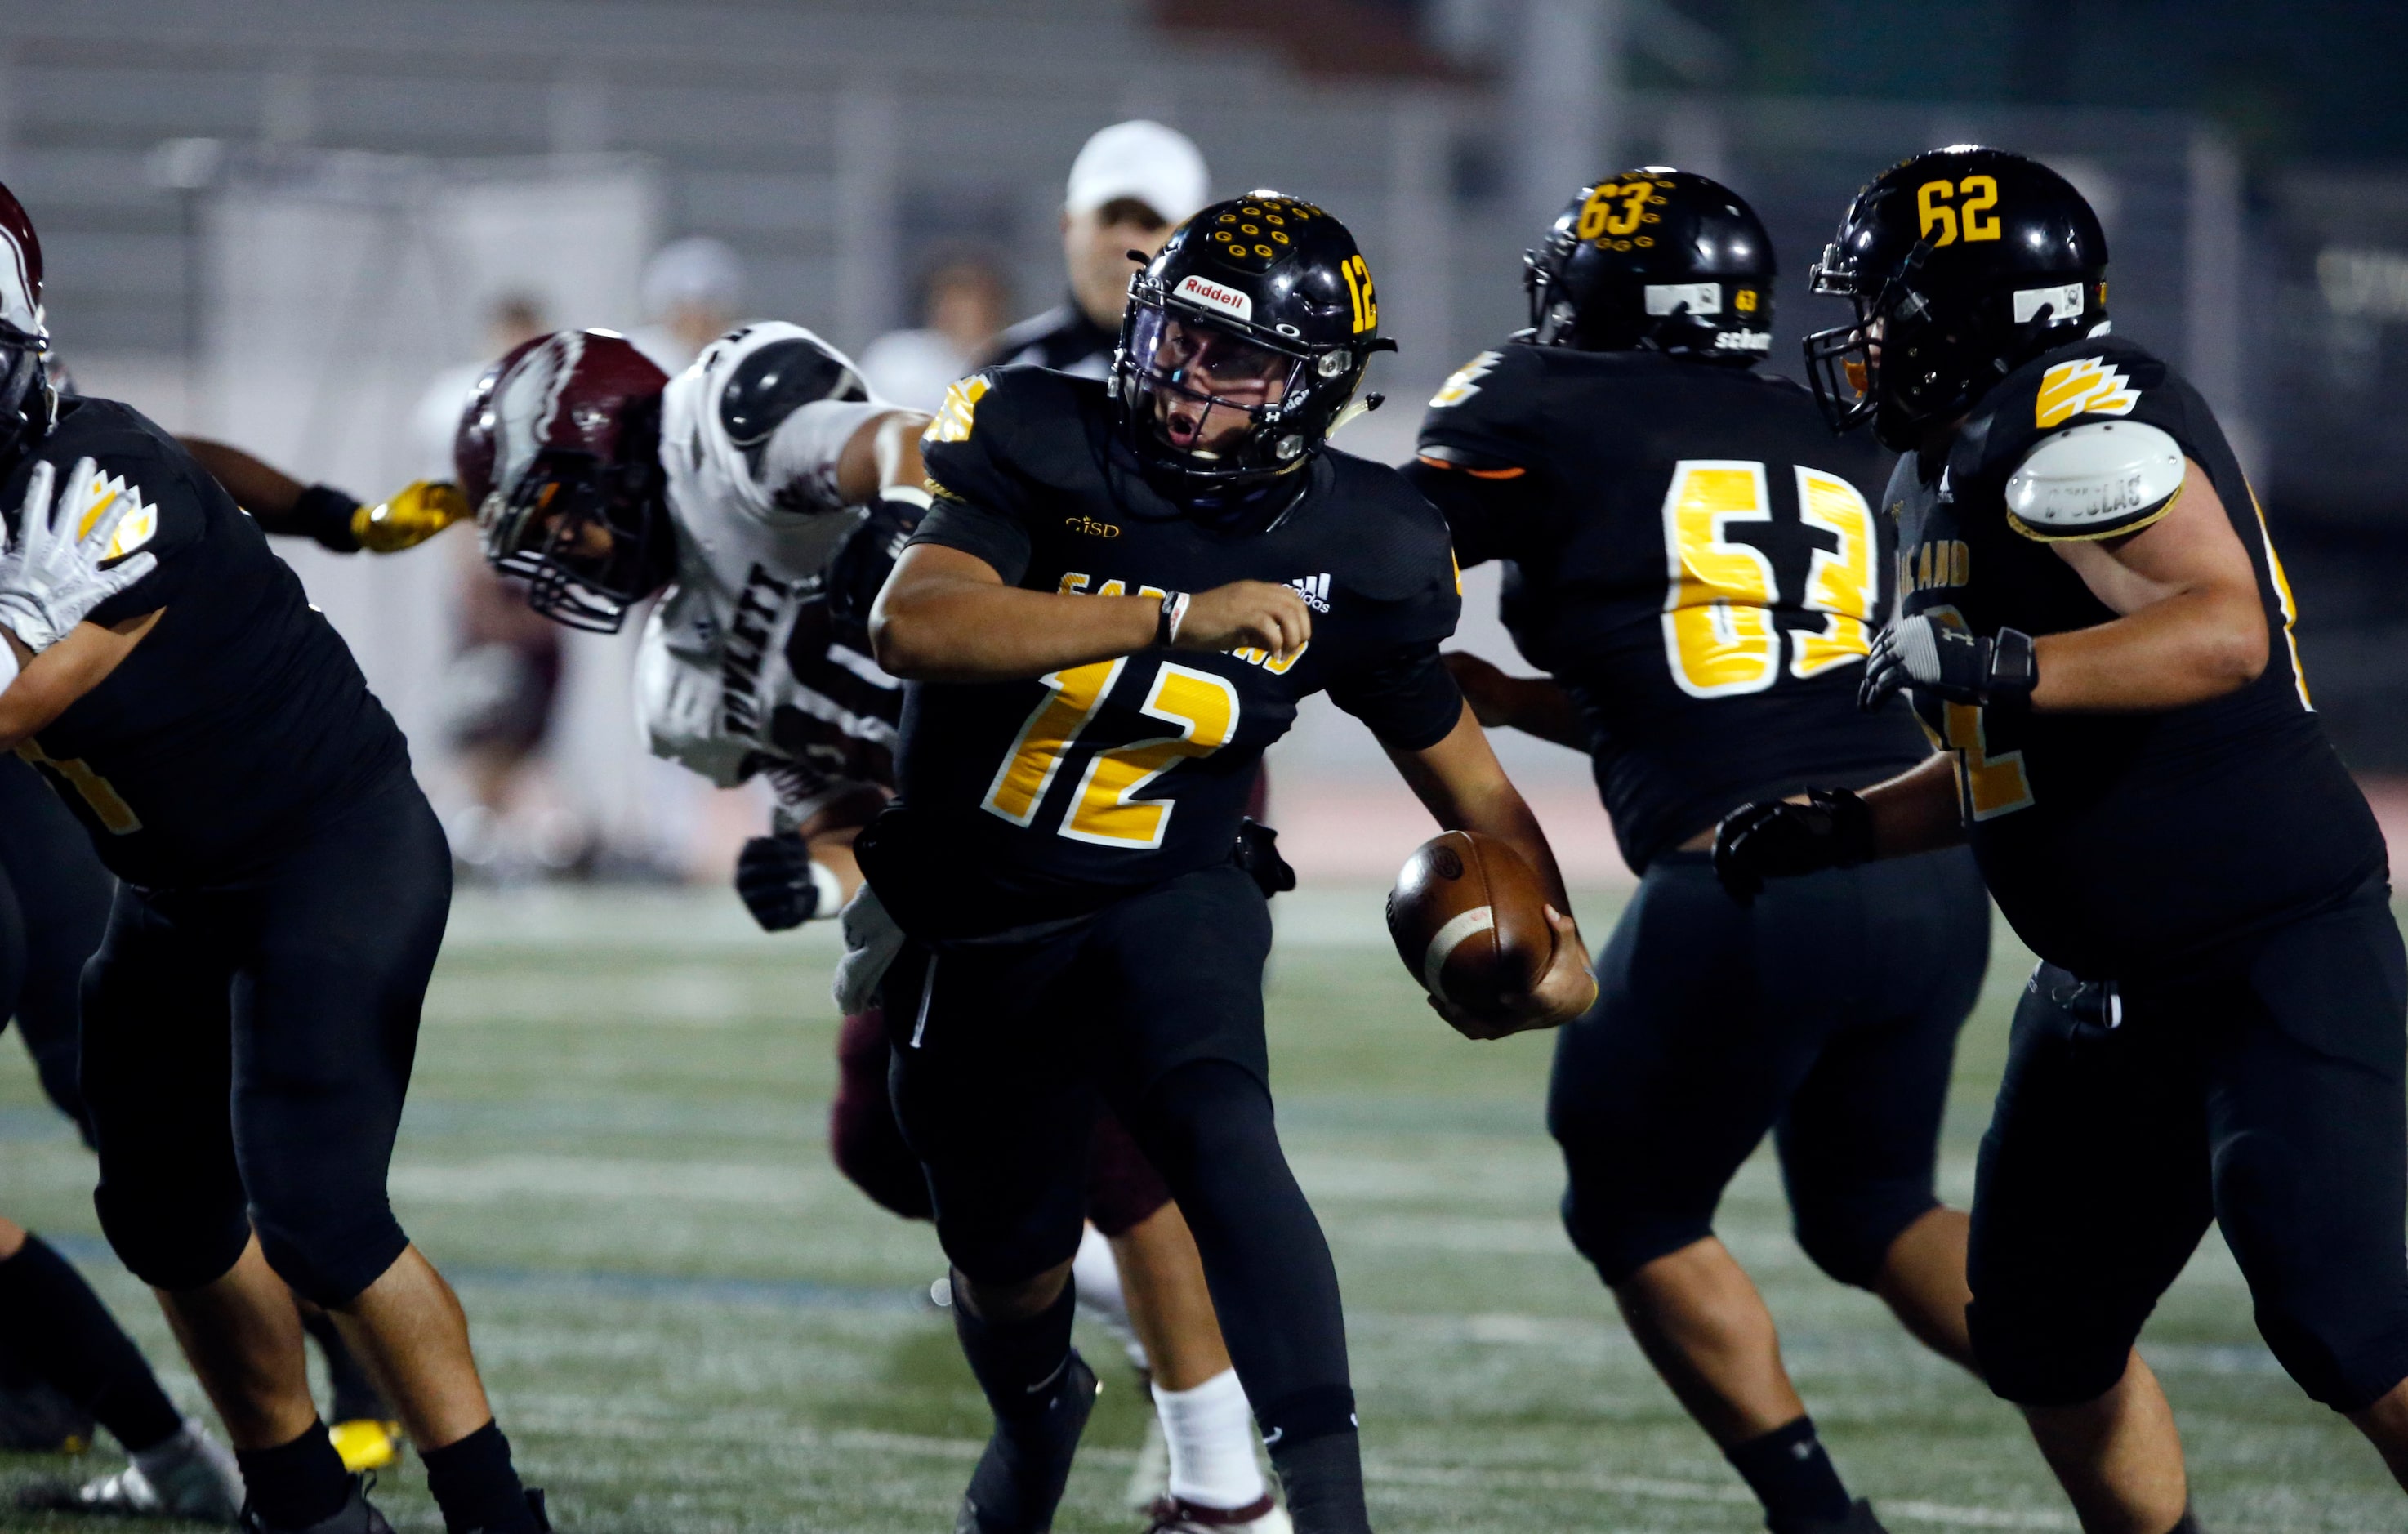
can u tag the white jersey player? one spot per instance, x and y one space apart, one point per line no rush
760 493
744 666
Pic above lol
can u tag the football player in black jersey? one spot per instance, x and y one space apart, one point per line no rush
763 494
1117 600
2094 622
54 901
1623 436
249 1019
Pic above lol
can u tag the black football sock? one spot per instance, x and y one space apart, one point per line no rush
53 1323
1020 1364
356 1395
296 1485
473 1482
1323 1478
1040 1392
1792 1477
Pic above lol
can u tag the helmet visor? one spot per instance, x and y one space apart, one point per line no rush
1206 391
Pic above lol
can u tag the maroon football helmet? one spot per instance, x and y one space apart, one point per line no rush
25 400
559 451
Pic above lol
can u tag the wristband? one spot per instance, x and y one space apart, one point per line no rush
8 665
2014 665
827 892
325 514
1174 609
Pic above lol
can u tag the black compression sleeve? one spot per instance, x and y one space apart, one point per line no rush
321 513
325 514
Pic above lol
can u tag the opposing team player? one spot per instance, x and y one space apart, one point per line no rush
1115 605
1694 561
767 490
249 1021
2095 623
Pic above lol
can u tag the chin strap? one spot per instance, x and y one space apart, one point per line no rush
1356 409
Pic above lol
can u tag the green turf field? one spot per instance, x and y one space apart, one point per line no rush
691 1322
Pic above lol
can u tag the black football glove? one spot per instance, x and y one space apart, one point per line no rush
1775 839
1948 663
866 557
779 882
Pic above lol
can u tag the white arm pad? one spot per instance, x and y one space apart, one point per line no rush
2095 482
804 451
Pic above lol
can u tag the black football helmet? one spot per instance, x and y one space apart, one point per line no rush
27 403
1244 340
559 451
1963 264
1654 258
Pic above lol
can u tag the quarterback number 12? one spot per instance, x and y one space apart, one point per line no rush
1104 809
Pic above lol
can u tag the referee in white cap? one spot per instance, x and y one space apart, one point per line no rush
1132 185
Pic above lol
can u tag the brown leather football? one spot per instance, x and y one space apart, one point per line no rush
1470 920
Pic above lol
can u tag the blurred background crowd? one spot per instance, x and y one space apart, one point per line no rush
302 226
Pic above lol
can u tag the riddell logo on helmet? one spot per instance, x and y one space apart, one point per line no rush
1213 295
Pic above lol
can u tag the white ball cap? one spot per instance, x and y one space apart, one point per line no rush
1159 167
697 270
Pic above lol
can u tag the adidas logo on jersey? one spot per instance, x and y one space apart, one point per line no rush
1315 589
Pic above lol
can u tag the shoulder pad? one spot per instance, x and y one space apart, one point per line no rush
774 380
2096 480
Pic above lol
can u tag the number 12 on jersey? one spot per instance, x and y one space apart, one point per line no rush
1719 637
1105 810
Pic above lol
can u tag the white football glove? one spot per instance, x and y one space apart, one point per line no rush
49 578
871 940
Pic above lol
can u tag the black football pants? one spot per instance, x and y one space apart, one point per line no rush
2262 1091
246 1046
54 900
1826 1013
1156 1004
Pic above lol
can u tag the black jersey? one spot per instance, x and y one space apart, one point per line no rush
1029 800
2121 843
240 720
1693 556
